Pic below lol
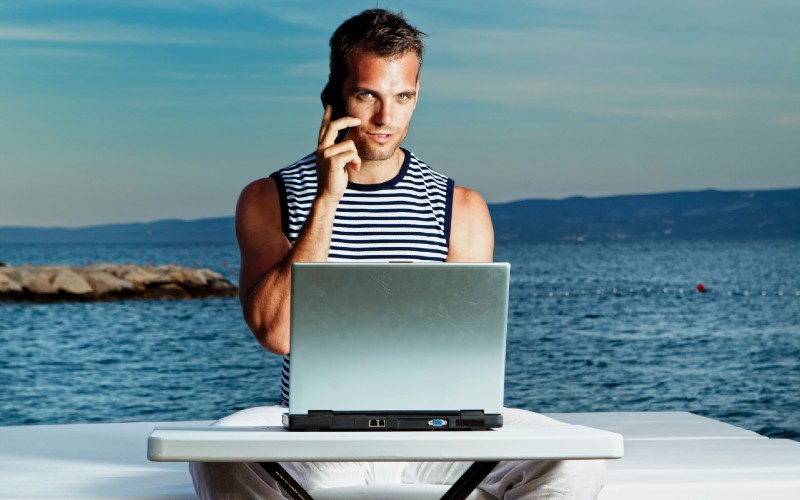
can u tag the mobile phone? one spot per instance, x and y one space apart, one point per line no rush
332 96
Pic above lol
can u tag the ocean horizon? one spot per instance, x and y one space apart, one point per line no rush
592 327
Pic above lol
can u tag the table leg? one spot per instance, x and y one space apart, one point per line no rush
460 490
470 480
286 480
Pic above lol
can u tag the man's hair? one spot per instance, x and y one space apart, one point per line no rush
377 32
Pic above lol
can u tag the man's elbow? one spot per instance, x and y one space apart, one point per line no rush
275 344
269 338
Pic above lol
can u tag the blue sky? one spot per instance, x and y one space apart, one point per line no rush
135 111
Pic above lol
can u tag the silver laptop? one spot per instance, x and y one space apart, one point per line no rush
397 346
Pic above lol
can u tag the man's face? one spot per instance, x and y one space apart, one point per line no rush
382 93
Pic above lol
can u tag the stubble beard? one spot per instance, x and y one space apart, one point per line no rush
378 152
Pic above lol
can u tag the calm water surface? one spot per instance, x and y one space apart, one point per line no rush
592 327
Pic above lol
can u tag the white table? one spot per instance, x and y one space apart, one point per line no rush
270 445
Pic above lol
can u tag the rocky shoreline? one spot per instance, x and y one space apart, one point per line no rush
108 282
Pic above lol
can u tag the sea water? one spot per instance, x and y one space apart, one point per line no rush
592 327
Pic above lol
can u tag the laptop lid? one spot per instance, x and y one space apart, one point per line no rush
398 338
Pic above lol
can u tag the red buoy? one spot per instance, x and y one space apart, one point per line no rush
701 288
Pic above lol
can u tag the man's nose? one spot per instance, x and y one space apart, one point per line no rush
384 112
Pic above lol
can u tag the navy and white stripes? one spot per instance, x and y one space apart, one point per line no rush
404 219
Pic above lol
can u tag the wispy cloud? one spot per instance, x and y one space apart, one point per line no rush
176 75
182 5
790 119
623 58
99 33
321 17
52 52
678 102
667 113
109 32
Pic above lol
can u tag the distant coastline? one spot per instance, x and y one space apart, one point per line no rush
708 215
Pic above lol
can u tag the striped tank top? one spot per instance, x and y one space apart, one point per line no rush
406 218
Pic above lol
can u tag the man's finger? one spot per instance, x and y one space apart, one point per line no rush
348 159
355 163
326 119
328 137
337 149
343 155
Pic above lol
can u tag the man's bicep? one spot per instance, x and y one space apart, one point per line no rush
471 233
262 244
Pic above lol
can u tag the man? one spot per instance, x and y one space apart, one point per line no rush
365 198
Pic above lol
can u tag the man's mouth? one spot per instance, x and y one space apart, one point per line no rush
381 138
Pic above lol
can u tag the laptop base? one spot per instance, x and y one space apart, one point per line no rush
324 420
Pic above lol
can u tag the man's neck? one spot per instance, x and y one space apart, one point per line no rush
378 171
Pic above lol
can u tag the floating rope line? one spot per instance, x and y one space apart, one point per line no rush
665 290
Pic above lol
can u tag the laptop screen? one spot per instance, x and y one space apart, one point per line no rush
398 337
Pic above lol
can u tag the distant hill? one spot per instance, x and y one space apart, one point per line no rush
716 215
216 230
710 214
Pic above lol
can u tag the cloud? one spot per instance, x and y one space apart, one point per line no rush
613 99
98 33
323 16
199 76
51 52
109 32
668 113
315 69
182 5
676 60
789 119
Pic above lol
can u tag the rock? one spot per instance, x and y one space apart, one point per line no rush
21 275
166 290
211 275
103 282
141 277
7 285
223 286
38 283
192 277
69 282
101 267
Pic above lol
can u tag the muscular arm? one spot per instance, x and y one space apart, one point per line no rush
266 254
471 232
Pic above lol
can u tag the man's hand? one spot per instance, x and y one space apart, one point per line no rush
333 160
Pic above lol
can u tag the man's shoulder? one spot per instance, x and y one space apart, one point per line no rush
273 186
471 236
258 191
468 198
